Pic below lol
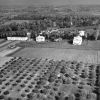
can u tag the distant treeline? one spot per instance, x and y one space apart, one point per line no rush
37 23
61 20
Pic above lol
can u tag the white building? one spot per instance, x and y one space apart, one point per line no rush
77 40
82 33
40 38
17 38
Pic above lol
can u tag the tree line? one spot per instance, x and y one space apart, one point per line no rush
37 23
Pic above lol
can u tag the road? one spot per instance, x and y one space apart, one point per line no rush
5 51
5 45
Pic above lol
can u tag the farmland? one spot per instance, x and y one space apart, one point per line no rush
58 54
24 78
49 70
40 72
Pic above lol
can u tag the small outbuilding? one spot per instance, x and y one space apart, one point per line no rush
81 33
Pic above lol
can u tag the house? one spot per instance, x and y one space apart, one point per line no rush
77 40
40 38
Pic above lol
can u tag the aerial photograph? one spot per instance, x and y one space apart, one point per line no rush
49 49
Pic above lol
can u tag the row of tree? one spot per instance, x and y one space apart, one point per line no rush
66 34
39 23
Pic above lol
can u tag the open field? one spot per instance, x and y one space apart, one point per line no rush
88 52
86 45
58 54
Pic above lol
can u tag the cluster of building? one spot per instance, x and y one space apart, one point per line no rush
39 38
77 40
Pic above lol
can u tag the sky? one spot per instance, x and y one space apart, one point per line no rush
47 2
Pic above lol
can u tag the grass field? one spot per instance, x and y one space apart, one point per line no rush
88 56
87 52
86 45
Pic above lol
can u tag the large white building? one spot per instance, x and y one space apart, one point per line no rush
18 38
